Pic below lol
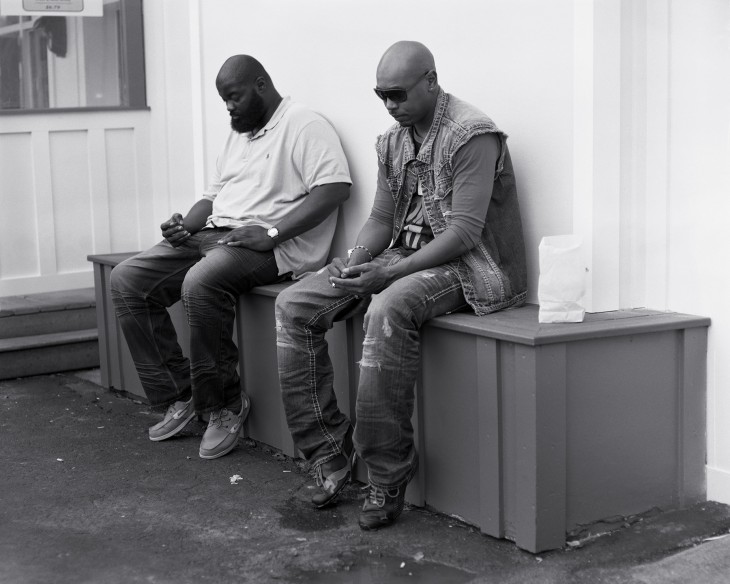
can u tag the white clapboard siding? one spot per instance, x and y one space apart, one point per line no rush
71 184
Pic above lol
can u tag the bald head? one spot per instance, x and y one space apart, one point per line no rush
247 90
405 59
242 69
408 85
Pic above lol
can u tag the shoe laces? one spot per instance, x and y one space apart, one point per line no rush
318 476
176 407
376 495
218 418
323 481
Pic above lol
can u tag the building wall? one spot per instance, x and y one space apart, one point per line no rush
617 113
698 194
513 62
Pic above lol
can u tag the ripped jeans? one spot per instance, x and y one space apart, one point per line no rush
388 369
208 277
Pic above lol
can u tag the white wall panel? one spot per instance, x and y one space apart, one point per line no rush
98 171
64 180
71 198
124 208
19 253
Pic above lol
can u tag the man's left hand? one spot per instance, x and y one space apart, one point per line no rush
251 236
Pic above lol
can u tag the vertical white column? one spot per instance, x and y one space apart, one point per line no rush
196 78
656 225
179 72
170 90
583 133
633 151
597 146
157 96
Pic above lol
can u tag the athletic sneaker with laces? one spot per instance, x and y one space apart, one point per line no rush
384 505
224 428
339 472
176 418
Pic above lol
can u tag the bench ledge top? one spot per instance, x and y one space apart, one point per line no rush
520 325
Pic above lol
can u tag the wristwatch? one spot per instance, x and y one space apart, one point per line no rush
273 233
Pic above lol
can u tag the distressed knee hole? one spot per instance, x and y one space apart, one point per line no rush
370 363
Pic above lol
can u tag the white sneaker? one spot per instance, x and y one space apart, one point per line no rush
223 430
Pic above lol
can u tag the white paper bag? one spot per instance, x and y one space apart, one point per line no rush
562 282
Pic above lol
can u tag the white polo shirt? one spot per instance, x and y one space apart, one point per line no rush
260 179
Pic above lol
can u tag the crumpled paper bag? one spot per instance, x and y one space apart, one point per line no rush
562 283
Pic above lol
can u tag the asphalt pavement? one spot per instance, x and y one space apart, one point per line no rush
86 497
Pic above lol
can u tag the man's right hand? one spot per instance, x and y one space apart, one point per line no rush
337 266
174 231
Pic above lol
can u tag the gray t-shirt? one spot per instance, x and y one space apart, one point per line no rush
260 179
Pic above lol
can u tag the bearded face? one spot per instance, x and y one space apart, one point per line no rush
247 116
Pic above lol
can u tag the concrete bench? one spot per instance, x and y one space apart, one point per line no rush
527 431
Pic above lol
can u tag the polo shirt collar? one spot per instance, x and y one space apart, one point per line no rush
276 118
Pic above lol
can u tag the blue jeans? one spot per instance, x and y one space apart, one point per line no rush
388 369
209 277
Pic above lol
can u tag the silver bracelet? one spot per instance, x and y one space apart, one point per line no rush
351 251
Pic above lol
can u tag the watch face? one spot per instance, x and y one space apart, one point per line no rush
273 233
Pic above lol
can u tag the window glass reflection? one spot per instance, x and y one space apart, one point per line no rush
73 61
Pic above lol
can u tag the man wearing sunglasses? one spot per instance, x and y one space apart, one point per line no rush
444 234
268 213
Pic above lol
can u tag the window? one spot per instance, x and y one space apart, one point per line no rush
52 62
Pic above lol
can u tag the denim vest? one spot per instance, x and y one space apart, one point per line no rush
493 273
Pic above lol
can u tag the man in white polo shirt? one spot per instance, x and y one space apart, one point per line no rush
268 214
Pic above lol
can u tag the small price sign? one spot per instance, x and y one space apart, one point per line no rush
58 7
55 6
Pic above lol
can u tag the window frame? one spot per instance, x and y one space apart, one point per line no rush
132 67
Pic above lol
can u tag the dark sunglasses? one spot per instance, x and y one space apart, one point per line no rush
397 95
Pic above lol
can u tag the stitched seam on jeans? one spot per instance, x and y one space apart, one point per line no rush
514 301
445 291
313 371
